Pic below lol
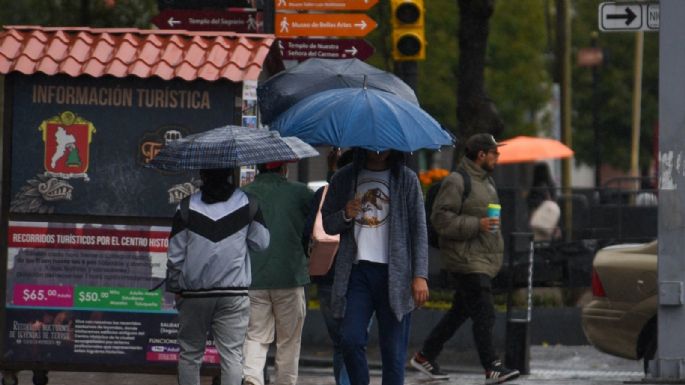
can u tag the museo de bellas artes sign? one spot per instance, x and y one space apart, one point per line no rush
325 5
212 20
323 24
302 49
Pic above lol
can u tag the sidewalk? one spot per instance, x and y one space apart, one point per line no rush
566 365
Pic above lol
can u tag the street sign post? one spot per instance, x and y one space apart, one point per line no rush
324 5
195 20
301 49
622 17
322 24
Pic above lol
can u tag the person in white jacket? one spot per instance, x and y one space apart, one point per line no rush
208 269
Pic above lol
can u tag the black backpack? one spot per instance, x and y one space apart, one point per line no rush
430 199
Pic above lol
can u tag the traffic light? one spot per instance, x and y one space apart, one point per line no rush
408 37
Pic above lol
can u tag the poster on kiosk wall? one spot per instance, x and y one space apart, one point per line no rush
88 224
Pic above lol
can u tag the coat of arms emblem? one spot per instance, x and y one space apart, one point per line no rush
67 140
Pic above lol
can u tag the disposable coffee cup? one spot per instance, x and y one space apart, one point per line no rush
493 212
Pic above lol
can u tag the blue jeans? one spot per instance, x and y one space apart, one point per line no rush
333 327
367 291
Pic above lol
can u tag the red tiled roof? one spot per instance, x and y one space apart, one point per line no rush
125 52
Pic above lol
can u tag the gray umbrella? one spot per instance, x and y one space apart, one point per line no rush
230 146
312 76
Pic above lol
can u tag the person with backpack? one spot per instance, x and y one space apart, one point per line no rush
208 269
471 250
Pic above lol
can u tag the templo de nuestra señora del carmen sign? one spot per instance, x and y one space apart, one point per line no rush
301 49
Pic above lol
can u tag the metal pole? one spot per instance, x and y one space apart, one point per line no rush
269 20
670 357
595 118
531 261
564 41
269 16
637 111
517 338
409 72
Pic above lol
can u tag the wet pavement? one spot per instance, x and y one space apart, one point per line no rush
566 365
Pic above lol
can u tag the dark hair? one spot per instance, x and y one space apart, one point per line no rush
396 160
215 185
542 175
471 154
479 142
542 187
345 158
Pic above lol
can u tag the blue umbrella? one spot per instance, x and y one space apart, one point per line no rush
366 118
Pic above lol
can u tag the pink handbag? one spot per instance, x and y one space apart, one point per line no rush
322 247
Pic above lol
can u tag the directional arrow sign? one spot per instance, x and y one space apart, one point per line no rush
629 16
301 49
325 5
322 24
195 20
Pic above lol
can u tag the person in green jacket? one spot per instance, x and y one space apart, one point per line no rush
471 249
279 274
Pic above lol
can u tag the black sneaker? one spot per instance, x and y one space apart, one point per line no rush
498 373
427 367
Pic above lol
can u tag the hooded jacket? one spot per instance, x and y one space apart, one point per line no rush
463 247
208 254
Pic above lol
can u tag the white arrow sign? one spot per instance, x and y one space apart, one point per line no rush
173 22
361 25
618 17
352 51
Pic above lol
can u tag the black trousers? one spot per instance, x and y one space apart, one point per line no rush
472 299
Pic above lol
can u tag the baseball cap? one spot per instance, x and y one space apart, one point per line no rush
273 165
481 142
277 164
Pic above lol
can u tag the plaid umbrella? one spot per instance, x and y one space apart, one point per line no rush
230 146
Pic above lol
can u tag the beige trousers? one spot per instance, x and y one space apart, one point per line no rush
279 311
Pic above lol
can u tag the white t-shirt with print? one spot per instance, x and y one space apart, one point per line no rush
371 226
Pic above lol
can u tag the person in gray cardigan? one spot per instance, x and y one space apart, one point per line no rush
376 206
